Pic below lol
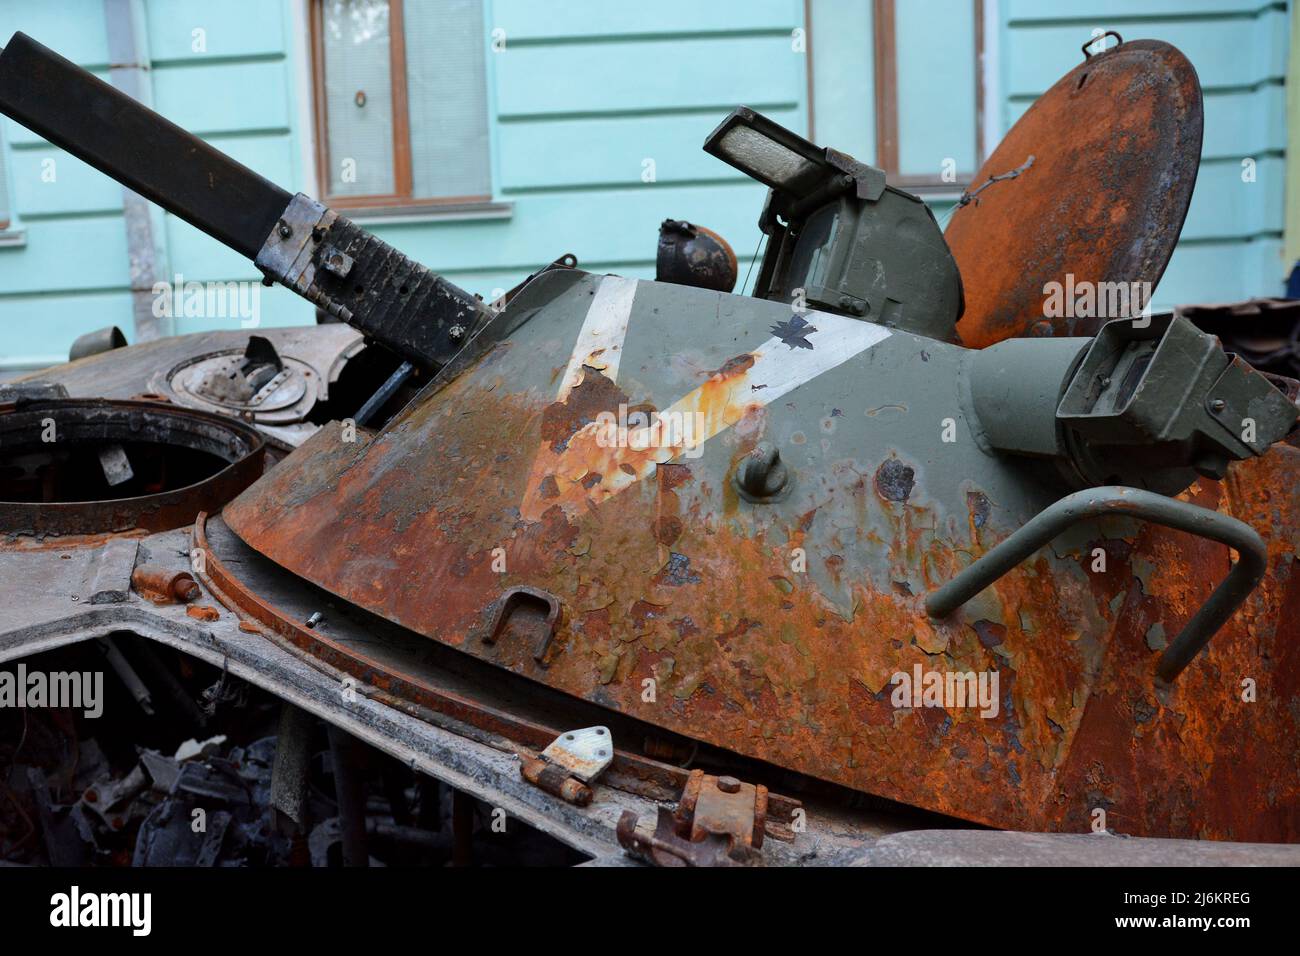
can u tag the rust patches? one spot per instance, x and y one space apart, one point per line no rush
667 529
990 634
978 507
676 572
592 395
16 541
871 709
788 675
203 612
44 507
1134 117
582 436
733 367
404 690
684 627
643 614
668 524
894 480
672 476
743 627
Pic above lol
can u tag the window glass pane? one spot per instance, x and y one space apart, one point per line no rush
935 49
446 91
358 97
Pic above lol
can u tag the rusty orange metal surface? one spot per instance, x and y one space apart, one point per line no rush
1107 161
417 693
658 585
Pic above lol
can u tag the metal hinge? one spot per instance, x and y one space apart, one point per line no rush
572 761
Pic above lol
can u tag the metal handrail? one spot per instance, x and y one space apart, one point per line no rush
1131 502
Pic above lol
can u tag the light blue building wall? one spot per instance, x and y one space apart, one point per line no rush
64 265
596 113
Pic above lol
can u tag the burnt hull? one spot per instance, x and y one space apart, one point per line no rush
775 629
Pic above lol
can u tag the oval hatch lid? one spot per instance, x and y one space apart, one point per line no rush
1115 148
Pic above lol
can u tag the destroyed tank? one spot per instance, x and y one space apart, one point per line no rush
952 521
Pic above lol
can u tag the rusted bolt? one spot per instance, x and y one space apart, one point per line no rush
762 474
185 588
729 785
164 585
336 261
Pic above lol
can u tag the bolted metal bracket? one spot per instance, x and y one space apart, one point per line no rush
286 255
583 753
719 821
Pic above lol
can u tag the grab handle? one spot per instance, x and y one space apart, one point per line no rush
1131 502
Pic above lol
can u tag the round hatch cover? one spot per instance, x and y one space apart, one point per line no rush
232 383
1090 186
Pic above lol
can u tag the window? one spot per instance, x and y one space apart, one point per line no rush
929 91
400 102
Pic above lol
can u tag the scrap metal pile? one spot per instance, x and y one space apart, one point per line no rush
625 569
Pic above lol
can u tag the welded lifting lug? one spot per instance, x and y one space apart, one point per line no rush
719 821
532 613
1116 500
